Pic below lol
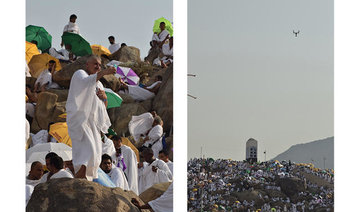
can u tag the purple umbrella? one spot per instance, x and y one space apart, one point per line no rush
127 75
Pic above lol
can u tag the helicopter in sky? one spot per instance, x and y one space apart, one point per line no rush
296 33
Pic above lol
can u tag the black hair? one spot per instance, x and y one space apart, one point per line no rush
147 151
73 16
34 42
116 138
162 23
111 37
106 157
50 155
34 164
52 61
123 44
57 162
166 153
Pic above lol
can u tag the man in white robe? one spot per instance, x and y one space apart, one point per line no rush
87 116
47 176
35 174
162 204
56 166
166 58
164 156
159 39
152 171
113 46
44 80
72 26
153 138
141 94
107 146
125 159
141 124
116 174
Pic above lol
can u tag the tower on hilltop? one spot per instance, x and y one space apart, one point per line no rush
251 150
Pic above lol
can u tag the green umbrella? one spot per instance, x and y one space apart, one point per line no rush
114 100
168 25
40 35
79 46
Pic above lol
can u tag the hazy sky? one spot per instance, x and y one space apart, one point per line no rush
130 22
255 79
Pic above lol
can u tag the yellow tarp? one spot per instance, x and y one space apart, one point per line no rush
39 63
30 50
60 132
99 50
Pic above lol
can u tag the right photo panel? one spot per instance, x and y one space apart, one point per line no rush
260 105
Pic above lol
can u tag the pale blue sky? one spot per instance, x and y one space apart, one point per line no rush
255 79
130 22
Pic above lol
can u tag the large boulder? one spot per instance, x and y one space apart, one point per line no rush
163 101
44 109
67 194
250 196
61 93
110 81
126 54
121 116
291 186
153 53
63 77
154 192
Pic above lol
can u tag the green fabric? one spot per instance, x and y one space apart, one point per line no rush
79 46
113 100
168 25
111 132
40 35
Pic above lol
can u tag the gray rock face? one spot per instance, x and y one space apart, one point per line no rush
154 192
163 101
63 76
153 53
67 194
126 54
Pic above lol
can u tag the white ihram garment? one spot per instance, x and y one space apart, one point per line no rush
114 47
86 117
131 170
165 202
155 136
140 125
72 27
148 178
118 178
62 173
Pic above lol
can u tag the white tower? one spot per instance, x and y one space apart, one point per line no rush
251 150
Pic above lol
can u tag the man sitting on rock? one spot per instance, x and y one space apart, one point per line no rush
125 159
113 46
87 117
56 166
166 58
64 55
35 174
159 39
164 156
44 80
152 171
153 138
116 174
138 93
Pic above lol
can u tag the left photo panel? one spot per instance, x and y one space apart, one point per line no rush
99 105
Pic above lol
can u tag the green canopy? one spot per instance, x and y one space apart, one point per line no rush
168 25
79 46
40 35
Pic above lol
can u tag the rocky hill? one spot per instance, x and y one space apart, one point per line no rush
313 152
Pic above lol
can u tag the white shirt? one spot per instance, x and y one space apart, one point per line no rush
72 27
114 47
118 178
62 173
170 165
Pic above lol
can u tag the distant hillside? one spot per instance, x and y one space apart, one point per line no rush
312 152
